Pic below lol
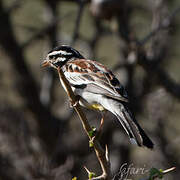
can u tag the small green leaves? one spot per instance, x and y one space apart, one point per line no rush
91 175
155 173
91 144
92 132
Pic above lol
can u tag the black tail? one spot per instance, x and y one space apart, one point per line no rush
133 129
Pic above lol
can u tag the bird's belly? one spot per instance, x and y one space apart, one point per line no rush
91 101
88 99
95 106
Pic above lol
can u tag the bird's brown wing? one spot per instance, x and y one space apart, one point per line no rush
94 77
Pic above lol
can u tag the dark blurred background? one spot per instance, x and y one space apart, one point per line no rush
40 135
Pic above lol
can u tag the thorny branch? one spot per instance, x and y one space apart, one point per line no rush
101 155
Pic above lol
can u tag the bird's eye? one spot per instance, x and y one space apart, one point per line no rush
51 57
54 56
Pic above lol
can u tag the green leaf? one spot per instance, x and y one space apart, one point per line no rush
91 144
155 172
91 175
92 132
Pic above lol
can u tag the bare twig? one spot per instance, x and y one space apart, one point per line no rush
152 63
44 31
168 83
163 25
152 67
101 155
40 34
98 34
78 20
169 170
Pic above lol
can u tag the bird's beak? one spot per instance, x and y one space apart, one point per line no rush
45 63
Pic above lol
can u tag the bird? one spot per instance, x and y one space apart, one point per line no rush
97 88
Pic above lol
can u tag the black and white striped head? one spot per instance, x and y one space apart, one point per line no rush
58 56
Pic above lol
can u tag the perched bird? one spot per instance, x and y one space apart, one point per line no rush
98 89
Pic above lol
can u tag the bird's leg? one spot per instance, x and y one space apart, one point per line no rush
73 104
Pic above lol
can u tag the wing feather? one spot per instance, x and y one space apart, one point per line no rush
94 77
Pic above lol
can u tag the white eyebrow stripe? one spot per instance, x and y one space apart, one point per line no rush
60 52
60 59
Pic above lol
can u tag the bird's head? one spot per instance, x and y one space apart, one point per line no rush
59 56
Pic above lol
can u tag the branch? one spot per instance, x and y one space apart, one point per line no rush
163 78
40 34
44 31
98 34
158 51
47 87
15 5
168 83
47 124
101 155
159 174
165 24
78 20
169 170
